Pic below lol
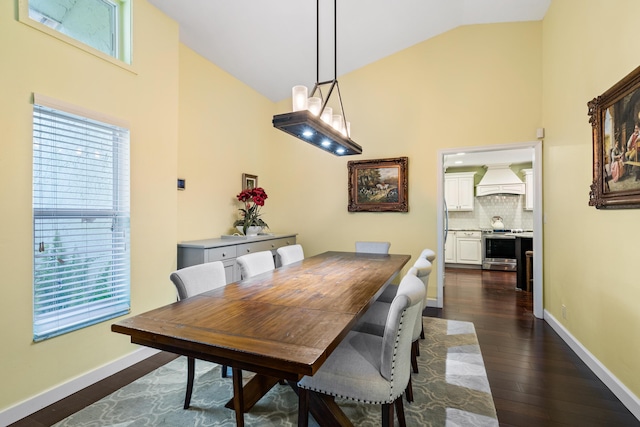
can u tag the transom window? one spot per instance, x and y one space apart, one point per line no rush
81 258
101 24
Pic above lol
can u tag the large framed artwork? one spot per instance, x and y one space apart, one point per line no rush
615 123
378 185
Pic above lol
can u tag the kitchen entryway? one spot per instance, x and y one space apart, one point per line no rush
486 193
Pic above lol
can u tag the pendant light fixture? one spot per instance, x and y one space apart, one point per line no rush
311 120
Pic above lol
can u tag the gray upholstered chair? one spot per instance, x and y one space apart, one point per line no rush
290 254
429 254
374 320
390 291
376 248
373 247
423 271
190 281
255 263
370 368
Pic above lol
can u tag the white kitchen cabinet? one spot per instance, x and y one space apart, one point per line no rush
450 247
468 247
458 191
463 247
528 184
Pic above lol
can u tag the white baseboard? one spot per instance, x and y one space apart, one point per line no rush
46 398
621 391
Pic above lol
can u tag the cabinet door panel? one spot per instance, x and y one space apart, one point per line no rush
450 247
465 194
459 191
528 185
468 250
451 193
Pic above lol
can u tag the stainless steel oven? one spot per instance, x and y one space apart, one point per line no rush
498 250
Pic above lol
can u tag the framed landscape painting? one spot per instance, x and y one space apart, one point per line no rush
378 185
615 123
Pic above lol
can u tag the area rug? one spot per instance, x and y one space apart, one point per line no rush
450 390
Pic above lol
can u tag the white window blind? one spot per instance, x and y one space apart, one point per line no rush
80 220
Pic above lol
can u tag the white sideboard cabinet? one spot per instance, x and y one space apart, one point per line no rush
227 250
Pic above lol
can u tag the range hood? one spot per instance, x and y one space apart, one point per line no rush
499 179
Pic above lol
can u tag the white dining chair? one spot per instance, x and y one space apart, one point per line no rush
373 247
374 319
370 368
390 291
290 254
194 280
255 263
429 254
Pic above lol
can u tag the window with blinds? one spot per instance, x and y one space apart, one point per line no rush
81 273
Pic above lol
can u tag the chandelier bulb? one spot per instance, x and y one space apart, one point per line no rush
299 97
314 104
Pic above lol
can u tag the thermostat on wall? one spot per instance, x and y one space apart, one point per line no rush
182 184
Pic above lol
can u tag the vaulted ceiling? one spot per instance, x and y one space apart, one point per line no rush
271 45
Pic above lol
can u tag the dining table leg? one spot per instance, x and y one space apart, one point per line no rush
238 397
249 394
321 406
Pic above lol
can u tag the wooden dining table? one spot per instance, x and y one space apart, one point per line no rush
281 325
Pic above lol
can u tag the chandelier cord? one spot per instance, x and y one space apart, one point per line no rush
334 83
335 40
317 41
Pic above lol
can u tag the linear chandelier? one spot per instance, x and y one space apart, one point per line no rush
311 120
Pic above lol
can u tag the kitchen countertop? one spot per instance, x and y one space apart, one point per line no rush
526 234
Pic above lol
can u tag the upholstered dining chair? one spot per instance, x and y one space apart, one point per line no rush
373 247
190 281
423 271
374 320
429 254
390 291
255 263
290 254
370 368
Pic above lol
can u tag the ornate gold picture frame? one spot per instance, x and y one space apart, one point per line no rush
378 185
615 122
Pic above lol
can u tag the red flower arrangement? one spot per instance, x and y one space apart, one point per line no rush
253 199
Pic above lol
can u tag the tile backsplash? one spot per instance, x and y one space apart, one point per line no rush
509 206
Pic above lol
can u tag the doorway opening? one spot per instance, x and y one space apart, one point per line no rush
490 155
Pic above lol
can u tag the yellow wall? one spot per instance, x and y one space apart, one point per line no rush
36 62
473 86
225 128
591 263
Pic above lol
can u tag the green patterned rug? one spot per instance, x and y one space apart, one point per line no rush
450 390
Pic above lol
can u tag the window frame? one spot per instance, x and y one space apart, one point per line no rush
124 30
86 276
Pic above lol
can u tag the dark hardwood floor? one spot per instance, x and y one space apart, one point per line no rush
536 380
